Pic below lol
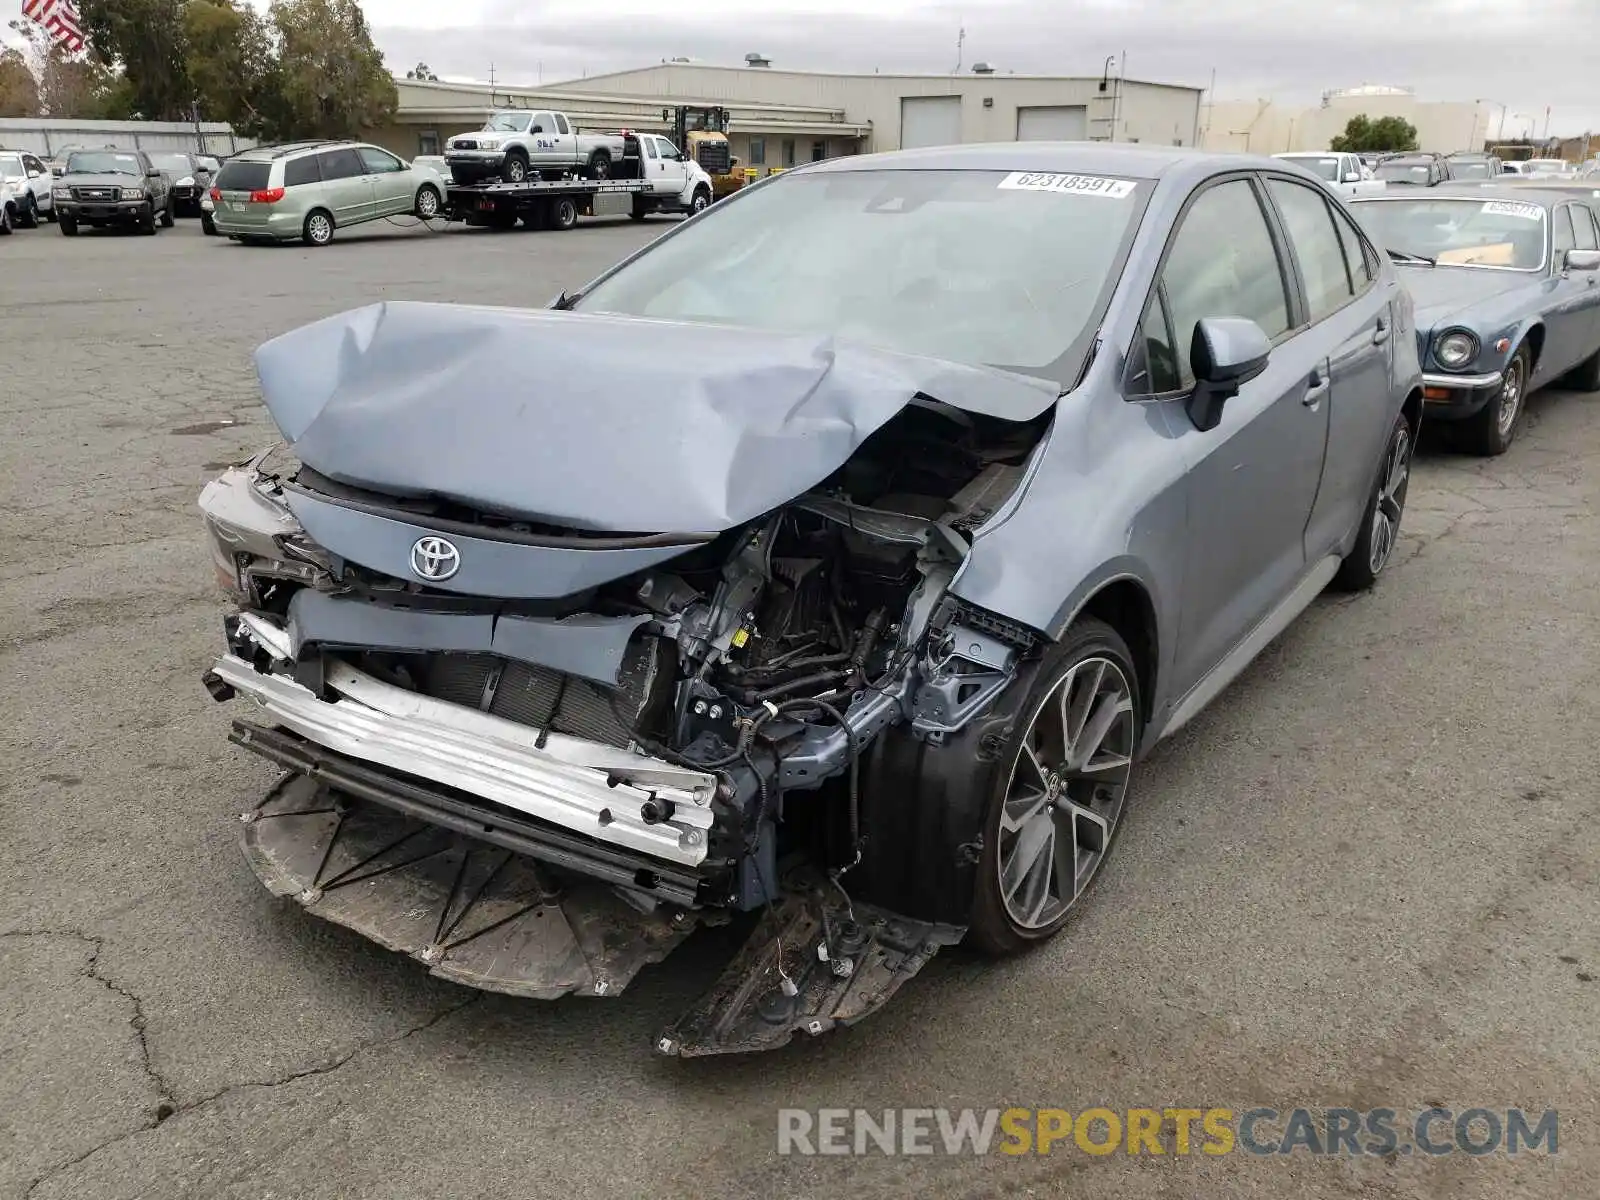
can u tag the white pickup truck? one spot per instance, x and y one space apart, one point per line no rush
516 144
1344 173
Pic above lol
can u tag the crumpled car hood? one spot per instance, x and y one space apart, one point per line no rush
595 421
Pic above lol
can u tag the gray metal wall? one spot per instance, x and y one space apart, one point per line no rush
47 137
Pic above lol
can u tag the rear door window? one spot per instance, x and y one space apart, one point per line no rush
298 172
341 164
561 124
244 176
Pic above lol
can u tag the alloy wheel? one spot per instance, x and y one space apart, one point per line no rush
1510 397
320 227
427 204
1391 498
1066 792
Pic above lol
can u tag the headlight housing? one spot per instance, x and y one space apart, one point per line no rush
132 193
61 193
1455 349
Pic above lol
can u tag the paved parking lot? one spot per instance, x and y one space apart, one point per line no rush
1369 876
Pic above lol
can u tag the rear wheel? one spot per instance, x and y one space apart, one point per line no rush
318 229
427 206
1492 430
515 167
599 165
28 218
1058 789
1380 522
1585 377
5 220
169 215
563 213
208 226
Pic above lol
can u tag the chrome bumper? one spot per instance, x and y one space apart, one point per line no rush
567 782
1470 382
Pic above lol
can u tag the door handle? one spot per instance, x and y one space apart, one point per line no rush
1380 335
1317 388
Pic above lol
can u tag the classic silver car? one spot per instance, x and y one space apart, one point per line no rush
829 564
1507 295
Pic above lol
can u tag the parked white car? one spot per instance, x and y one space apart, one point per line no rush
517 144
30 180
8 207
1344 173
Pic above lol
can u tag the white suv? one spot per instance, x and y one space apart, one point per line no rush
30 181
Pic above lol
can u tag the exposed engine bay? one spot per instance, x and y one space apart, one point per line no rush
656 732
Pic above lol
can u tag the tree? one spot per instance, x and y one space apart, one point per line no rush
19 90
331 78
232 66
1363 135
421 71
144 39
71 85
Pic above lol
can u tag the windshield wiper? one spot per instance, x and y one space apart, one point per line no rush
1407 256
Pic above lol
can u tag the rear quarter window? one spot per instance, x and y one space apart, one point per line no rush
244 176
300 171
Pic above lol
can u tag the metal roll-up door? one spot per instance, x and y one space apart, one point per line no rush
929 121
1053 123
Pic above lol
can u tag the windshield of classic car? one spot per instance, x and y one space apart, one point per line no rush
508 122
1460 233
978 267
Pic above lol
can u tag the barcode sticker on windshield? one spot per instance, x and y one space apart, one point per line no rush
1511 208
1071 185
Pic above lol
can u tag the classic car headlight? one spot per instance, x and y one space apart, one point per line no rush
132 193
1455 349
61 193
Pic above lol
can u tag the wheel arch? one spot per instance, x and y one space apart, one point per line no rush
1411 410
1533 338
1125 604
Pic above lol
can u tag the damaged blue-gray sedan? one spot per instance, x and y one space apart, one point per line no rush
828 565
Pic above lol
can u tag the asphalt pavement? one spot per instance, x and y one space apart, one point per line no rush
1368 876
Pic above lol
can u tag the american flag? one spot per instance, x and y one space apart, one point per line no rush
59 19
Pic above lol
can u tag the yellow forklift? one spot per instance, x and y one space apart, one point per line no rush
702 134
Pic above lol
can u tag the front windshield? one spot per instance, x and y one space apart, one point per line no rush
1460 233
1472 169
507 122
11 166
1398 170
978 267
1323 168
102 162
171 162
1553 166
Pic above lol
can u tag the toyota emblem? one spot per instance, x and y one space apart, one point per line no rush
434 559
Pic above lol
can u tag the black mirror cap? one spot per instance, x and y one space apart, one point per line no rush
1226 353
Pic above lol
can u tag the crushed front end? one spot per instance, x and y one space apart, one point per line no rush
536 757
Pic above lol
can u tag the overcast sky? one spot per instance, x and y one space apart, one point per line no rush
1291 50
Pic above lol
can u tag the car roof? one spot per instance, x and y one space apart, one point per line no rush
1071 158
284 149
1468 191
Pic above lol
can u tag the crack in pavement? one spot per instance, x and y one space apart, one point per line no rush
167 1104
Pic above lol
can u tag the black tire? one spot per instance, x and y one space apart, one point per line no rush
28 218
639 211
515 167
700 201
69 227
1093 646
5 221
208 225
1491 431
1585 377
599 165
147 219
1380 519
169 215
563 213
428 203
318 227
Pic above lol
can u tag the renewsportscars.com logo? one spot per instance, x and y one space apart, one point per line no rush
1262 1132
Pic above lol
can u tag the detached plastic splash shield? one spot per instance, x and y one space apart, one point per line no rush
471 912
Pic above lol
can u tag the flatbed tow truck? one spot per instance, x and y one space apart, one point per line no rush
558 203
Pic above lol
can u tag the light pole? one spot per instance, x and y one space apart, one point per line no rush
1525 117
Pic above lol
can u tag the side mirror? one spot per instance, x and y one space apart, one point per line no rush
1352 176
35 173
153 173
1226 353
1583 260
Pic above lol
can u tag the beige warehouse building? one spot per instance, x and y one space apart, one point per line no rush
783 118
1266 127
